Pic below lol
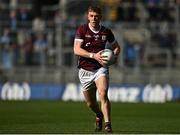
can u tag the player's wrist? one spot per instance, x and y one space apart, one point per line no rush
91 55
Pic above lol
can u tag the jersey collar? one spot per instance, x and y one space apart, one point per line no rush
95 31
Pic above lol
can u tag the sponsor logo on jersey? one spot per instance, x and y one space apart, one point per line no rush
88 36
87 44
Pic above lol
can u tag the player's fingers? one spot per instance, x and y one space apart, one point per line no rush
104 56
100 51
104 62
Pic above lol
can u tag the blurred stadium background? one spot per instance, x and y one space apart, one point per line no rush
36 47
37 63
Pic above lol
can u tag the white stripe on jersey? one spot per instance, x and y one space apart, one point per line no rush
77 39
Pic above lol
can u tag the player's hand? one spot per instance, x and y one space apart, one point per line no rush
99 58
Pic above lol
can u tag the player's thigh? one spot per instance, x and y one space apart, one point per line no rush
102 84
90 95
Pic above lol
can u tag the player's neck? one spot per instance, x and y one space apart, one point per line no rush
95 29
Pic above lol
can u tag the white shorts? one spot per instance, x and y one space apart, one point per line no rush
88 78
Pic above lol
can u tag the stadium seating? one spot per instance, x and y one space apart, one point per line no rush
148 34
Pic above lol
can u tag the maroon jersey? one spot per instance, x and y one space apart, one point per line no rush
92 42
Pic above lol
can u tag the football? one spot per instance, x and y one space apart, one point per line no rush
108 57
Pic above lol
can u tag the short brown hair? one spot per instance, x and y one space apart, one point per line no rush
96 9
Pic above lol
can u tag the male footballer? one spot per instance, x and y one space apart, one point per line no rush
90 40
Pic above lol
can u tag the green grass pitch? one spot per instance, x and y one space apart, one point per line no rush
43 117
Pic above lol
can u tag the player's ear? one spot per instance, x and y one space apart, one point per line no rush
100 16
86 16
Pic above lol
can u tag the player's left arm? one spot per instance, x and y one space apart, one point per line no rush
116 50
114 45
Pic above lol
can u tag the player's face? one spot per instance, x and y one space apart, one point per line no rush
94 19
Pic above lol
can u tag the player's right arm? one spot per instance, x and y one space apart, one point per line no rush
78 50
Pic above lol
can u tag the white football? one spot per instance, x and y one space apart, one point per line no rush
108 57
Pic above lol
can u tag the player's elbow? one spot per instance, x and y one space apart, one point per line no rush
76 51
119 49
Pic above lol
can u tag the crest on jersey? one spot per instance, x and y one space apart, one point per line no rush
103 37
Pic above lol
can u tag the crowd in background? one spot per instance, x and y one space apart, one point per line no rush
27 33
